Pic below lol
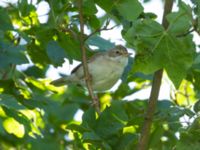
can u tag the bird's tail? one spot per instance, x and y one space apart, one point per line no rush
62 81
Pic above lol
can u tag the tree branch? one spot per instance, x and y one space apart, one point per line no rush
144 138
88 78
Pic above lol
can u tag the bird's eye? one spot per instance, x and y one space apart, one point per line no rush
117 52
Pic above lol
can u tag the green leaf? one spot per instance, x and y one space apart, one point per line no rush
70 45
5 21
129 9
181 21
164 105
60 113
158 49
189 139
94 22
2 130
143 36
10 54
10 102
55 53
197 106
38 54
89 119
111 120
107 5
35 72
21 118
176 57
156 136
100 42
25 8
49 142
126 142
90 137
89 7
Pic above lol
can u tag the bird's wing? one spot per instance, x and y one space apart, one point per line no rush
76 68
89 60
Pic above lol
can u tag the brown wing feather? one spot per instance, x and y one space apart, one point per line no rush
90 60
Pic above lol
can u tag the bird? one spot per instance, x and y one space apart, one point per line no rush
105 69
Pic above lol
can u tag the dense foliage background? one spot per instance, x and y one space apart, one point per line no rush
36 115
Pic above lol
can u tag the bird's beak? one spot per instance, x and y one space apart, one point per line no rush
127 54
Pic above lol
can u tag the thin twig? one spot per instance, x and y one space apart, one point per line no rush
88 78
105 28
145 133
185 34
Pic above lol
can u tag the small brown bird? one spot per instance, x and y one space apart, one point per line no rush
105 69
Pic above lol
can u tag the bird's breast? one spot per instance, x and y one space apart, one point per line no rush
106 71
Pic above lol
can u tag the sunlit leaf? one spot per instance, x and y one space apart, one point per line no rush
14 127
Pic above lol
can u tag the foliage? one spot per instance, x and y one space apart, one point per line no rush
37 115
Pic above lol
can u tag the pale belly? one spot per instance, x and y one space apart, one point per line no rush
104 73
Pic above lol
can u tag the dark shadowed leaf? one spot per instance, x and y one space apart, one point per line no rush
111 120
10 102
100 42
55 53
10 54
5 21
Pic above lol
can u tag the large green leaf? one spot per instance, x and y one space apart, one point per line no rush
20 117
55 53
158 49
89 7
176 56
129 9
51 143
107 5
5 21
10 54
126 142
111 120
143 37
181 21
10 102
38 54
89 119
70 45
58 114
